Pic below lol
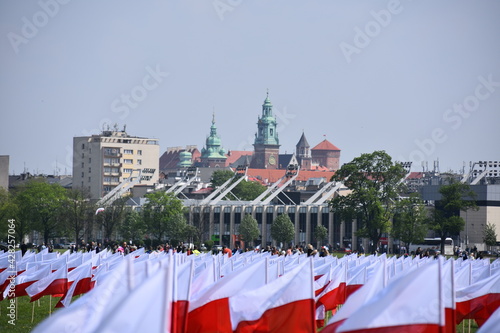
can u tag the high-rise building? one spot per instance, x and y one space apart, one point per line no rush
103 161
266 144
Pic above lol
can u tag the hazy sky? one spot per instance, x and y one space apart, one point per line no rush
418 79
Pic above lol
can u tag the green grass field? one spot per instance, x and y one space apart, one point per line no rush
23 321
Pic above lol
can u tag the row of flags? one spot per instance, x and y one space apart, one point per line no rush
255 292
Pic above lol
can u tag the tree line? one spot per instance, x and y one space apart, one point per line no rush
55 212
376 200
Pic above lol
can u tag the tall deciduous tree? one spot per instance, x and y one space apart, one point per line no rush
283 230
133 226
110 219
41 203
78 211
8 211
320 233
490 234
410 221
245 190
446 220
249 229
375 182
159 212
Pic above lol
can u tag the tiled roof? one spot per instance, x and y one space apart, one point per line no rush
272 175
170 158
415 175
326 145
234 155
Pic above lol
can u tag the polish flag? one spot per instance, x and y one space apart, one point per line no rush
283 305
479 300
492 324
357 299
183 276
147 308
87 312
55 283
334 294
80 283
404 305
209 312
26 279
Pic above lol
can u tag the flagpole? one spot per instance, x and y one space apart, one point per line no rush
33 312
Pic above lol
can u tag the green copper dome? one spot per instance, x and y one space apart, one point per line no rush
266 125
213 144
185 159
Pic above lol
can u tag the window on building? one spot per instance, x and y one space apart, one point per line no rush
271 132
127 170
139 152
83 175
89 179
83 145
90 160
90 170
128 161
139 162
128 151
83 165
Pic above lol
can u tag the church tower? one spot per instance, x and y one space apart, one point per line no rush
213 155
266 145
303 153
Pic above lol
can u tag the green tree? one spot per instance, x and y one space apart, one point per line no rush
176 229
446 220
248 190
133 226
490 235
283 230
78 210
192 234
159 212
410 221
320 234
219 177
249 229
245 190
42 203
375 182
8 211
110 219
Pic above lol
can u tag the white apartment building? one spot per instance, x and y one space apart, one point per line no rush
101 162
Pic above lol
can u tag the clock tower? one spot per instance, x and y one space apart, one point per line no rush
266 145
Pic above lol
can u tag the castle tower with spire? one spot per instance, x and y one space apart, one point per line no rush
213 155
266 144
303 153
